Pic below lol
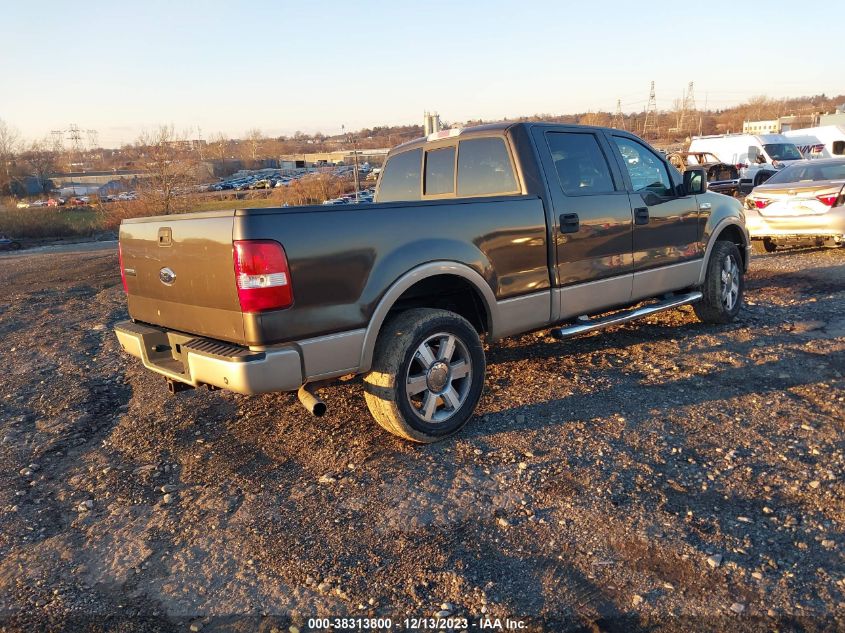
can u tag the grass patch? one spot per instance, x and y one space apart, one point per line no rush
65 222
47 222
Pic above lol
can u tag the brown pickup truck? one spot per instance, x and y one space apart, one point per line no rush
488 232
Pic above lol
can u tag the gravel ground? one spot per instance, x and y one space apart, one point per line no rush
663 476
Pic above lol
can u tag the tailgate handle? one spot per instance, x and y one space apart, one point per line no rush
165 236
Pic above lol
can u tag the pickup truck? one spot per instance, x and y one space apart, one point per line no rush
483 232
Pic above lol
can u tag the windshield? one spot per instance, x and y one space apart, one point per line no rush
809 172
782 151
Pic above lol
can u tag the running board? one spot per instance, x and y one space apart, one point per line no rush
588 325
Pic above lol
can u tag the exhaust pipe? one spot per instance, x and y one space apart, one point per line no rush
311 401
174 386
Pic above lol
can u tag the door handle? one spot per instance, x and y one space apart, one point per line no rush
569 223
641 215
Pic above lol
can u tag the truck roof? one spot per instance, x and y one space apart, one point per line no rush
500 128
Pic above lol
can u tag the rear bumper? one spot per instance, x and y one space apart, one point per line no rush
830 224
199 361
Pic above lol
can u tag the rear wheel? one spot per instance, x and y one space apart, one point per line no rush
15 246
427 374
723 285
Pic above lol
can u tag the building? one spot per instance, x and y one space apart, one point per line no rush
340 157
761 127
431 123
781 124
836 118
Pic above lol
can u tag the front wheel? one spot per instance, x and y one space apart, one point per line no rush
723 285
427 374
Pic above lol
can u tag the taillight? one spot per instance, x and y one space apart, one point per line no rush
262 275
828 199
762 203
741 166
122 269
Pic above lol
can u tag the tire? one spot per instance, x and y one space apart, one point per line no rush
412 350
15 246
723 285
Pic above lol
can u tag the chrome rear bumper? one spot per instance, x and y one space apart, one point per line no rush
199 361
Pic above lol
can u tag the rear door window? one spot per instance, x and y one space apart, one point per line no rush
440 171
581 165
484 168
401 177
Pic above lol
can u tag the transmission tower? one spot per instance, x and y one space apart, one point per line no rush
650 122
687 108
618 118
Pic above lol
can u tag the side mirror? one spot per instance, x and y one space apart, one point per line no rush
753 153
695 181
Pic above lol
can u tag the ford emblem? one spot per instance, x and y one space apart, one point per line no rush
167 276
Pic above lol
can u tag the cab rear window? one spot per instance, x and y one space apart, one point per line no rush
401 177
440 171
484 168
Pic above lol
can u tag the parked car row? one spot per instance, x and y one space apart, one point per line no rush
75 201
363 197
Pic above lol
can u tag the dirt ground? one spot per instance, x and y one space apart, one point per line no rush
662 476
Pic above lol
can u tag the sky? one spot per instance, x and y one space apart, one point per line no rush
208 67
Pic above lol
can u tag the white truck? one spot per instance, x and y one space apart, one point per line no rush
756 156
826 141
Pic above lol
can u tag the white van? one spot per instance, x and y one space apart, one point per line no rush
827 141
756 156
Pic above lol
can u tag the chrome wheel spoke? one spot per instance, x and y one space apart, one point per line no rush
416 384
429 406
451 398
447 348
459 370
425 355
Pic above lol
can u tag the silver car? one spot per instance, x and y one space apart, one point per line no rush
803 201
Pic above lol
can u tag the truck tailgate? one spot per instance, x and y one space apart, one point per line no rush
180 274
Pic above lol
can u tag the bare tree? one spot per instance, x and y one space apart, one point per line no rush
42 161
170 167
9 146
219 146
254 139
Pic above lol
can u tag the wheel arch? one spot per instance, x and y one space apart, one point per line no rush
456 271
732 229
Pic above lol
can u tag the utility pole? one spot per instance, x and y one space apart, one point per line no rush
351 140
650 122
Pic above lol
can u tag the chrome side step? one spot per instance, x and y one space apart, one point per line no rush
589 325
